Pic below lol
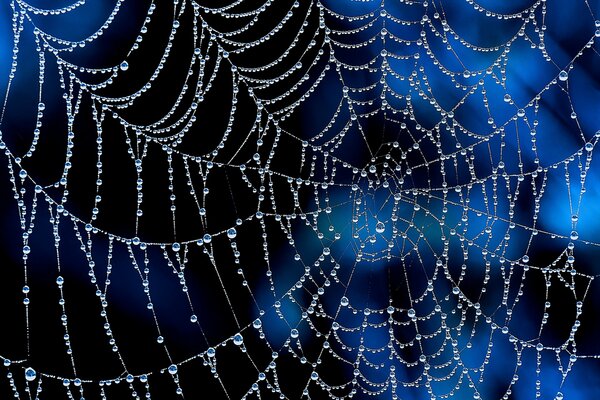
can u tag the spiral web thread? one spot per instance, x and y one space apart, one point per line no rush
432 201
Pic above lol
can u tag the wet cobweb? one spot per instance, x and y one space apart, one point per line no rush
299 199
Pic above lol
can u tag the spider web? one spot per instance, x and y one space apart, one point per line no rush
299 199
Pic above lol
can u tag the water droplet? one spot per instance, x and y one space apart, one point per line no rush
207 238
30 374
380 227
294 333
22 174
344 301
589 147
172 369
539 347
238 339
124 66
193 319
411 313
563 76
231 233
210 352
574 235
176 246
257 323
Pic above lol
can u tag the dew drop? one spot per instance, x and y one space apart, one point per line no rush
30 374
238 339
563 76
574 235
539 347
231 233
